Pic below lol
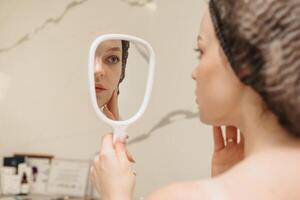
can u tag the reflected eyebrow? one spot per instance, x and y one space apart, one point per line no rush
114 49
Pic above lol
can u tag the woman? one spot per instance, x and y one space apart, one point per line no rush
248 78
110 63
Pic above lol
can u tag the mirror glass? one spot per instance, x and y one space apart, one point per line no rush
120 76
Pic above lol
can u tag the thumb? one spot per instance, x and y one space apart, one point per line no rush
123 140
129 156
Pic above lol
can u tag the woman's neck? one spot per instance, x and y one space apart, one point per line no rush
261 129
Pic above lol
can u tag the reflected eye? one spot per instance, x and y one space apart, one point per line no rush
198 50
112 60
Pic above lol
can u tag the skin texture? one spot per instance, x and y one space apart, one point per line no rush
108 69
264 164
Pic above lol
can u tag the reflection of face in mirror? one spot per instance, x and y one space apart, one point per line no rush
109 70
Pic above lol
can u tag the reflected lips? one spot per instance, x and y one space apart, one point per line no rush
99 88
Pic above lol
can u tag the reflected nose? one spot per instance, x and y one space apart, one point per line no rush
99 70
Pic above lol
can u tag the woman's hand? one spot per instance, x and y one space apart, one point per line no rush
112 174
227 152
111 109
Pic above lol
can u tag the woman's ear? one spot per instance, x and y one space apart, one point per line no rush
224 58
244 71
225 62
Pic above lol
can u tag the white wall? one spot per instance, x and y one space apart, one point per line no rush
44 102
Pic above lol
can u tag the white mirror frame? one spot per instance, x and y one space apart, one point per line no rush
119 127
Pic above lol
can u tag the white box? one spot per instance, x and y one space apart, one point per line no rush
68 177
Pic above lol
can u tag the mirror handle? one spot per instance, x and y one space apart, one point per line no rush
118 132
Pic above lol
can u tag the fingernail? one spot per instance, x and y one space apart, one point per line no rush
132 160
123 138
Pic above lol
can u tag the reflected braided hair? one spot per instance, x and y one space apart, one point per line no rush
125 48
261 39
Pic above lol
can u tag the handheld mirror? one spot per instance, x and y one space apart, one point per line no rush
120 75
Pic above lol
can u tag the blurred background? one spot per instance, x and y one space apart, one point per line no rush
44 101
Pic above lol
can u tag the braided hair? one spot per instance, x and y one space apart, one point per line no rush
261 39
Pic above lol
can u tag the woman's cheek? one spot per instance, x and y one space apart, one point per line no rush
210 92
204 81
113 80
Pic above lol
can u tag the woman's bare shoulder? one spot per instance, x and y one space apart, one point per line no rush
254 176
262 174
198 190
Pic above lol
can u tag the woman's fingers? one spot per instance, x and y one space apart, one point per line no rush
120 148
111 109
94 178
112 105
121 151
129 155
108 114
124 137
218 138
107 145
231 135
92 174
242 139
